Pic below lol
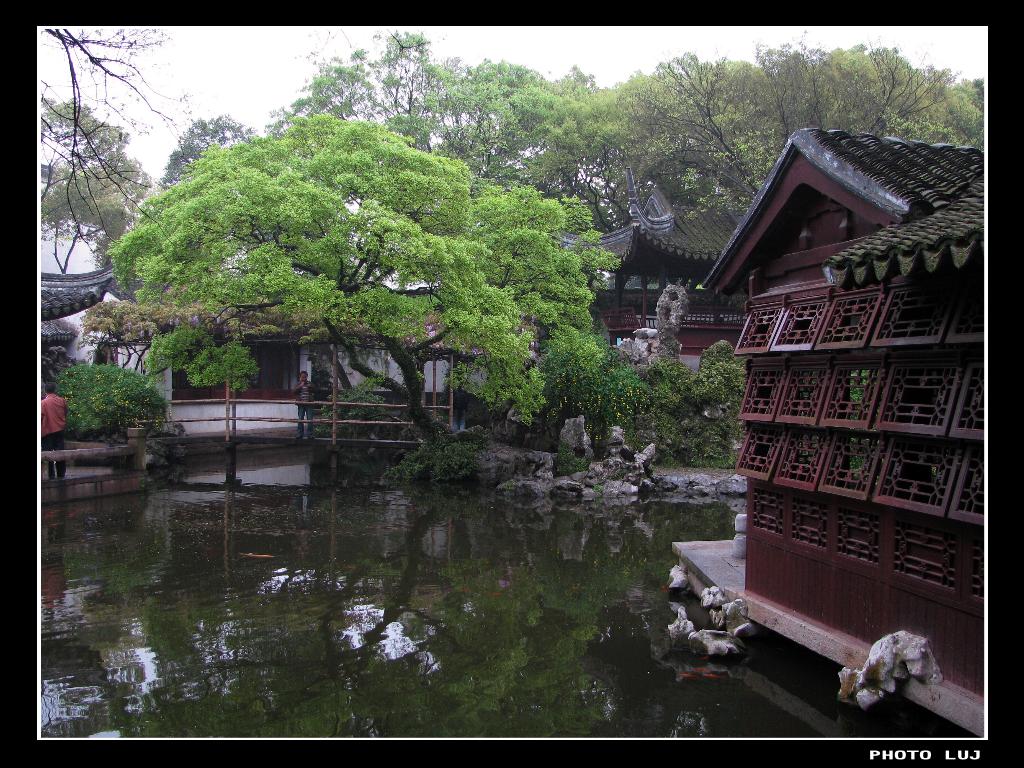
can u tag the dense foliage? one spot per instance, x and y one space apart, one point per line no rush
442 459
583 375
707 132
342 226
223 131
695 413
104 400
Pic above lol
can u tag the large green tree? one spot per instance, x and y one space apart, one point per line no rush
345 228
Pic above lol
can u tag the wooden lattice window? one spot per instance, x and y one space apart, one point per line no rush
914 315
918 474
764 388
925 554
968 324
760 327
759 451
809 521
969 417
799 325
849 320
801 459
767 511
803 393
919 396
851 464
978 569
969 499
858 535
852 394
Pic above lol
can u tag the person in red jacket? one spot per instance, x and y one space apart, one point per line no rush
55 416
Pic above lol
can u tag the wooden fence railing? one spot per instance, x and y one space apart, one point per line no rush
231 419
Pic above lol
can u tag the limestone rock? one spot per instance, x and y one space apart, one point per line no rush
892 658
567 488
681 628
713 643
736 622
712 597
574 434
677 578
734 485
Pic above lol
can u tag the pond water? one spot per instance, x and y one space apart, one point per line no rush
206 609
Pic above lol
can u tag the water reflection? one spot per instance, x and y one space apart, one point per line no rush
234 610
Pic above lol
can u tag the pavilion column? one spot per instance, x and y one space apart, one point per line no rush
620 285
643 301
662 278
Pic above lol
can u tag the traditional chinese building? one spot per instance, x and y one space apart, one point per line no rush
663 244
862 258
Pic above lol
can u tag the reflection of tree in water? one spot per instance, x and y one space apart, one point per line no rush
397 615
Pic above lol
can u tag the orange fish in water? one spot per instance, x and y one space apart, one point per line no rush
686 676
252 554
714 675
497 594
664 588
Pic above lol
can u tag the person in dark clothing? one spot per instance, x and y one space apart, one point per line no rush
55 415
303 396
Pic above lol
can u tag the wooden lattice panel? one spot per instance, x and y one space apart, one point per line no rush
851 464
969 498
925 554
759 452
858 535
918 474
799 325
767 511
968 324
920 396
852 393
809 521
801 459
978 569
803 393
914 315
764 389
760 327
849 320
969 417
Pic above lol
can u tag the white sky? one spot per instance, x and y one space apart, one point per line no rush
248 72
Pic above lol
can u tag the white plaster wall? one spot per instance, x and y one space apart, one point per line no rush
202 410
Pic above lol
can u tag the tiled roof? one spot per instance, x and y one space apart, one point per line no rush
56 331
63 295
906 179
953 236
687 233
917 173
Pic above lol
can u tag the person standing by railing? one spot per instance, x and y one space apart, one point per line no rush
303 396
55 415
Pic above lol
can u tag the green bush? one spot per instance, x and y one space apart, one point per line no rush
695 414
583 375
445 459
363 392
568 463
104 400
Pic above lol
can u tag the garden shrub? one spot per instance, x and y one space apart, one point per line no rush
444 459
695 414
583 375
568 463
104 400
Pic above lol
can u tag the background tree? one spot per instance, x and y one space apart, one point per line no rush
83 191
103 80
224 131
